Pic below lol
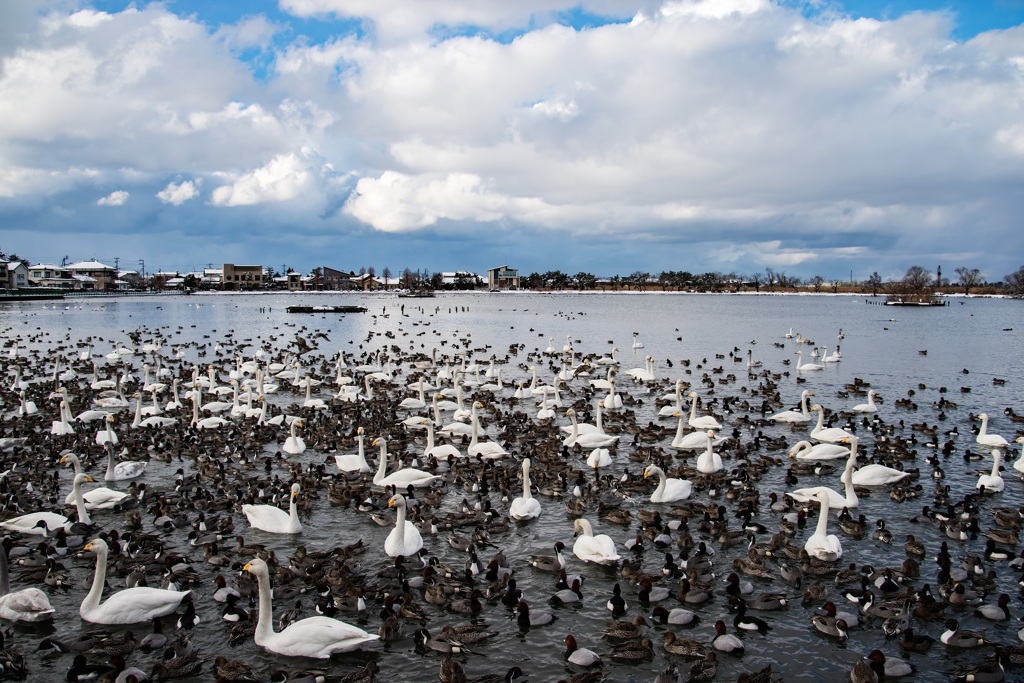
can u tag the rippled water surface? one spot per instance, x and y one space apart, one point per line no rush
967 353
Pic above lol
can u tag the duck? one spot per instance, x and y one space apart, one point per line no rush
678 616
830 626
42 523
725 641
525 507
317 637
745 622
669 490
527 618
598 549
1000 611
574 654
405 538
682 647
954 636
127 606
273 519
550 563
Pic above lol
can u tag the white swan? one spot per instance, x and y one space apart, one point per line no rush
404 539
273 519
441 452
836 500
354 462
612 401
704 421
709 462
599 457
62 427
318 637
587 439
213 422
27 604
801 415
128 606
673 409
42 523
874 474
805 450
400 479
107 433
525 506
483 449
870 406
637 344
751 363
294 445
986 439
314 403
25 407
584 427
821 544
101 498
669 490
694 441
122 471
1019 463
806 367
993 482
829 434
598 549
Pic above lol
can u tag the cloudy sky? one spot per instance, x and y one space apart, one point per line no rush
813 137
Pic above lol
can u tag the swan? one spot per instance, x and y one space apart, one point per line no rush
993 483
402 478
525 506
273 519
830 434
704 421
483 449
101 498
805 450
644 374
404 539
637 344
98 384
598 549
669 490
585 427
821 544
414 403
294 445
314 403
354 462
27 604
62 427
612 401
986 439
694 441
442 451
587 439
42 523
128 606
806 367
175 402
837 501
801 415
25 407
599 457
868 407
1019 463
122 471
874 474
709 462
206 422
673 409
318 637
107 434
605 383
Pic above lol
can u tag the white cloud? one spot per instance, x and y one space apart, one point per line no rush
179 193
399 203
284 177
115 198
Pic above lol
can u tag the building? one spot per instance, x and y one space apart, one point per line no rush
329 279
235 277
104 277
502 277
52 277
15 275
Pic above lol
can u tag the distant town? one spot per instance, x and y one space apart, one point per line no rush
19 276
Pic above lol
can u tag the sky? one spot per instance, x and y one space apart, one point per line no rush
812 137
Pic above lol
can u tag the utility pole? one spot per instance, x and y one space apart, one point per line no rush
117 264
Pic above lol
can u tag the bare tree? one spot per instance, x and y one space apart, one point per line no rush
1015 283
875 283
817 281
917 279
386 274
967 278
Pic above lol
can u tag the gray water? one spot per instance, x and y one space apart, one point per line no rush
961 348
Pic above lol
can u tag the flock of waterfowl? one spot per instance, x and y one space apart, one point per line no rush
685 497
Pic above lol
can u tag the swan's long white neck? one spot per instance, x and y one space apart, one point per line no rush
400 521
585 527
138 415
526 479
851 494
803 404
996 456
382 468
92 600
76 489
662 481
693 407
822 528
265 619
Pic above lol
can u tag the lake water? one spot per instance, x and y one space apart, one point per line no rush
961 348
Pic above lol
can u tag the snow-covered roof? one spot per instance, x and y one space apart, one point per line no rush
84 278
89 265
